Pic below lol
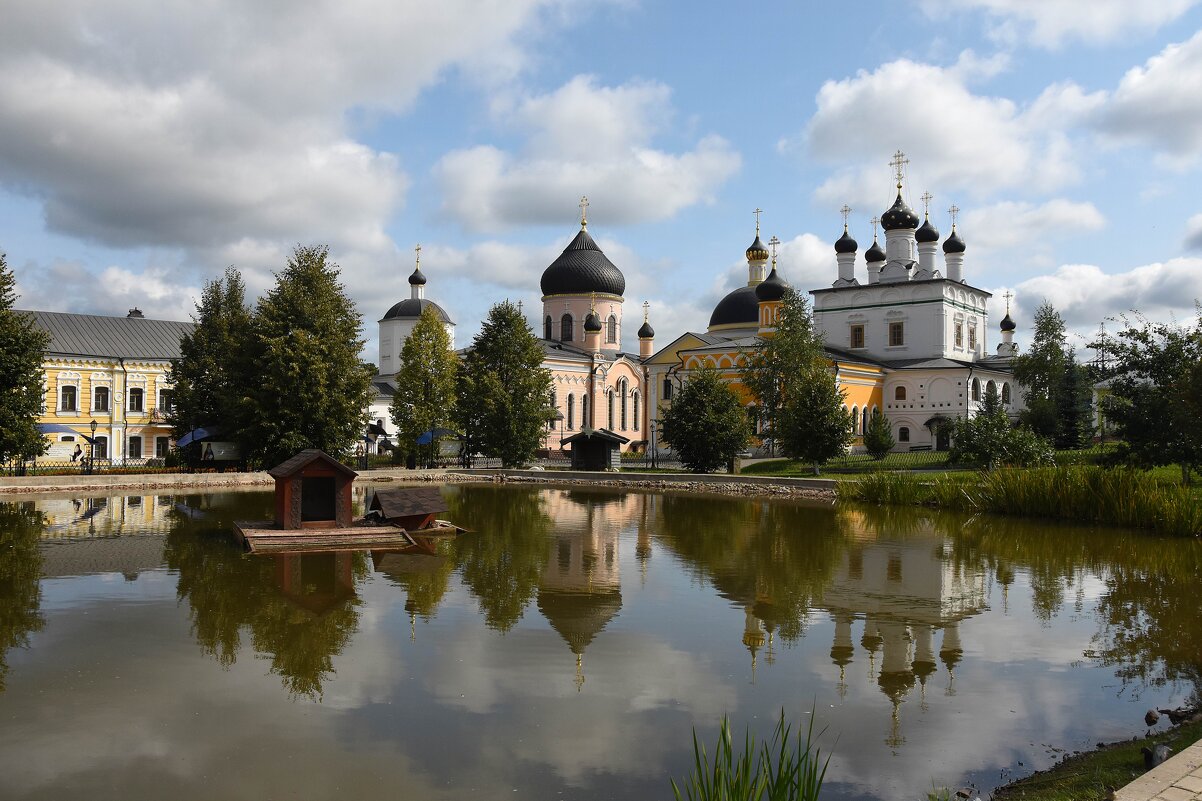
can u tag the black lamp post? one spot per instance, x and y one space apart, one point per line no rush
92 449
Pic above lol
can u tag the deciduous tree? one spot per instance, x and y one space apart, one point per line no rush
988 440
705 425
503 391
22 350
425 384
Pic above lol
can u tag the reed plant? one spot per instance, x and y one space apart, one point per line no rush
1109 496
786 767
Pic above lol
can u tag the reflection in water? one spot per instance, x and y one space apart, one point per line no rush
300 611
21 526
919 631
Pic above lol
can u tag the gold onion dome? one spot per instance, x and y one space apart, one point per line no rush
756 251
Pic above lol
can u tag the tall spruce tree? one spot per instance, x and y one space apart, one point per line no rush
208 388
306 386
1074 409
705 425
791 371
425 384
1041 371
878 435
22 350
503 391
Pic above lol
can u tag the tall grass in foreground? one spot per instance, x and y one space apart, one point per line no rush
780 771
1119 497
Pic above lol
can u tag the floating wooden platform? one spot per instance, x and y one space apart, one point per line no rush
262 537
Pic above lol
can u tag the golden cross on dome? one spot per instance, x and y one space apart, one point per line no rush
954 210
1008 295
583 211
927 197
646 310
845 211
772 243
418 251
898 163
875 222
757 214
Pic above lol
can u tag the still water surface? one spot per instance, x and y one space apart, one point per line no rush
566 648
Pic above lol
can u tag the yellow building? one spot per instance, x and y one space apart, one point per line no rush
111 371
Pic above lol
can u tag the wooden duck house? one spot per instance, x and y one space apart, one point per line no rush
312 490
411 508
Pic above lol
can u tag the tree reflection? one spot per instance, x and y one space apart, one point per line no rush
423 572
502 560
300 611
21 526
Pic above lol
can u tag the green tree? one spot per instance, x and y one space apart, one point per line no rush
207 385
1042 370
306 386
22 349
988 440
878 435
706 425
503 391
21 529
425 384
1154 390
1074 410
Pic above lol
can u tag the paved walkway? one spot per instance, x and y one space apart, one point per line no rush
1178 779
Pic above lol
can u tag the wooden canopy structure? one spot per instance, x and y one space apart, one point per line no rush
596 449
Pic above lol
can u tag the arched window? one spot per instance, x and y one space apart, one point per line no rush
585 420
1006 393
611 330
635 399
622 401
565 328
855 419
903 434
667 388
990 386
976 389
554 408
864 420
100 399
899 393
609 410
571 421
547 327
68 398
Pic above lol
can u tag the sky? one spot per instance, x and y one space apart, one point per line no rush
146 146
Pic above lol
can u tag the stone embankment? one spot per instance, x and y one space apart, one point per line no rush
722 484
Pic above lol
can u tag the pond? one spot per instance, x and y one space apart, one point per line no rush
567 647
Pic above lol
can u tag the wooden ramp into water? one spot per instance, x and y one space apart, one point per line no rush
262 537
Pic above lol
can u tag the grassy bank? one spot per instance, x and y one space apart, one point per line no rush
1090 776
1117 497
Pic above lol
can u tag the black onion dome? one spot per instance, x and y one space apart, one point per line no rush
592 322
1007 323
874 253
953 244
899 216
771 288
845 244
740 307
411 309
646 331
756 250
418 278
583 269
927 233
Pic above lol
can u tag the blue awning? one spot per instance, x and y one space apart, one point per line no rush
426 437
199 435
61 428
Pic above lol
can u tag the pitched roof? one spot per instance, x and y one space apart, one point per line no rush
110 337
296 463
408 501
603 434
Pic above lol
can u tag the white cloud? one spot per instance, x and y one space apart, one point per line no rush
1051 23
67 286
583 139
1193 232
1160 103
1011 223
956 140
1085 295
